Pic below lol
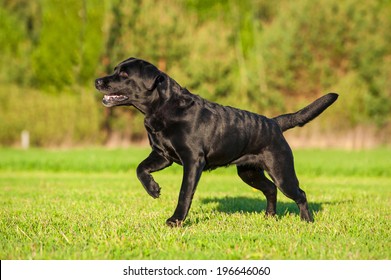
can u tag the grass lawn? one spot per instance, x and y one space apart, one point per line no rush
88 204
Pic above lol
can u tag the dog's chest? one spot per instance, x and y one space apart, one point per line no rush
159 140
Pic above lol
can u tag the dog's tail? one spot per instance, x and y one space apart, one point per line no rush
307 114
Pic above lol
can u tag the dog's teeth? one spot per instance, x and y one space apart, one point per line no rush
118 98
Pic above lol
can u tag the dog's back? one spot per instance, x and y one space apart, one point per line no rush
225 134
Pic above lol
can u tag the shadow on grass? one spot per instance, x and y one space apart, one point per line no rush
231 205
241 204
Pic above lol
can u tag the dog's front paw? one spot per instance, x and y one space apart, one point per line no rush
174 222
153 190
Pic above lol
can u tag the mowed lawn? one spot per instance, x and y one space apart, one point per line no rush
88 204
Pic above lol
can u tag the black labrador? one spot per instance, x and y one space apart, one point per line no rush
201 135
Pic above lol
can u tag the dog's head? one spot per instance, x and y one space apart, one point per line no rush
133 83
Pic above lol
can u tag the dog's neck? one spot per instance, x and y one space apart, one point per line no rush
164 91
176 88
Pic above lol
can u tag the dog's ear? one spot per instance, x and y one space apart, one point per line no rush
151 76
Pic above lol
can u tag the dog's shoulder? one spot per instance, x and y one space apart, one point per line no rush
170 112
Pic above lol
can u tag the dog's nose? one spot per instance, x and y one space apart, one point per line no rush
98 82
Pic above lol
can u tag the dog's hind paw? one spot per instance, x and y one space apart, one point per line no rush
306 217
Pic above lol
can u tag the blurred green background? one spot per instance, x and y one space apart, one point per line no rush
265 56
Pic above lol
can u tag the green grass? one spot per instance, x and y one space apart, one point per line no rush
88 204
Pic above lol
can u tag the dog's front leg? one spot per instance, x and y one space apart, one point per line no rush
152 163
191 175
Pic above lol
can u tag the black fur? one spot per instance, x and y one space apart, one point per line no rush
201 135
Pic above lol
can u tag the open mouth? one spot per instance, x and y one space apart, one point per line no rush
113 99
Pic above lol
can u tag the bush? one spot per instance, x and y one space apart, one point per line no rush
313 46
263 56
51 120
69 45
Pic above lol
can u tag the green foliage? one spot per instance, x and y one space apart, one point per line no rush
264 56
313 46
69 46
50 120
12 47
88 204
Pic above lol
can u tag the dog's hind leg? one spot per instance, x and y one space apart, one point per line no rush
256 178
279 165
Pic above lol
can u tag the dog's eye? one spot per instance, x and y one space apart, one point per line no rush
123 74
